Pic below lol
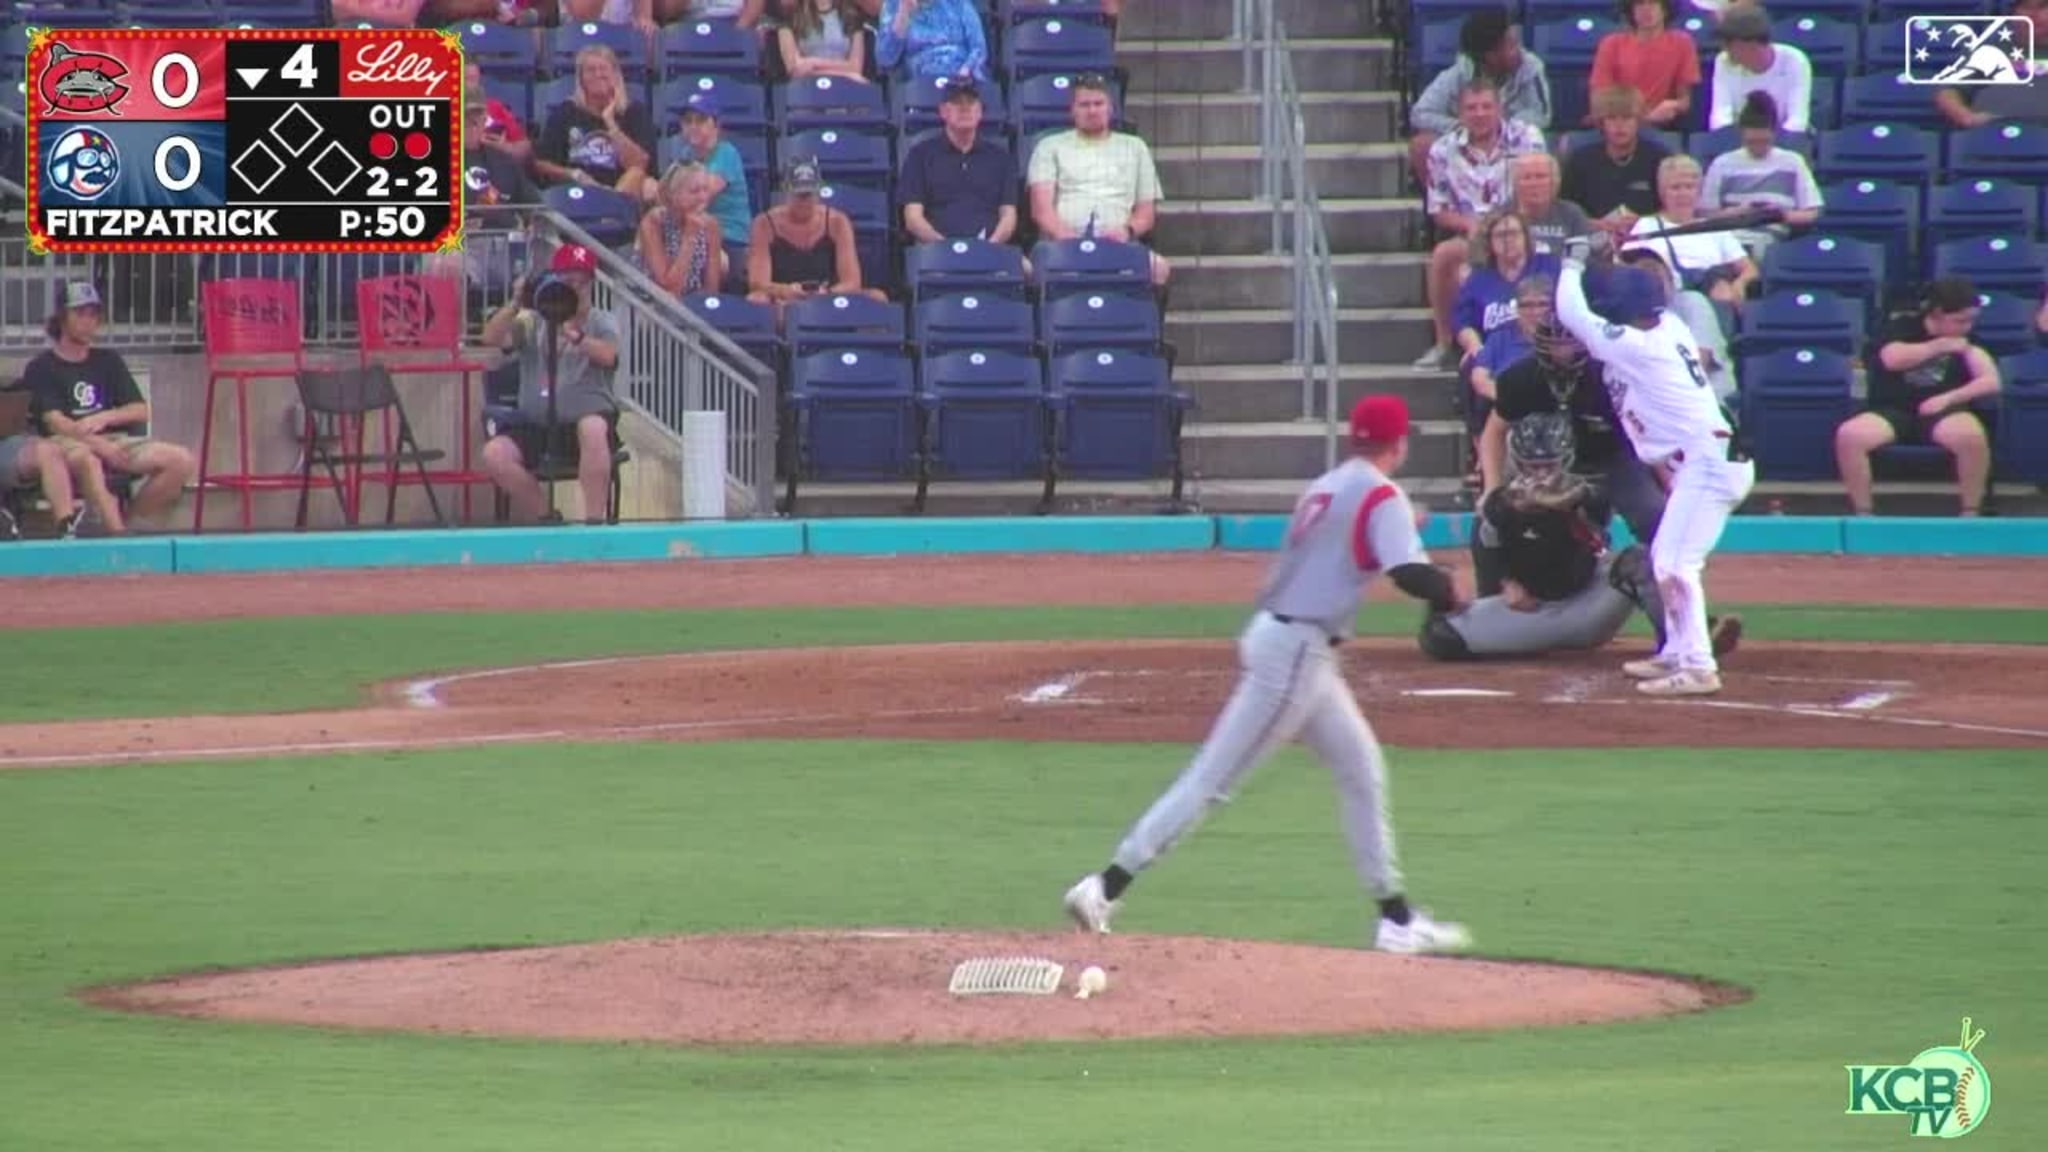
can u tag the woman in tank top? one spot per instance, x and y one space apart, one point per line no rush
823 38
801 247
680 245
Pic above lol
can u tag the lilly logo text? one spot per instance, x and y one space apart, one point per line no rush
1943 1091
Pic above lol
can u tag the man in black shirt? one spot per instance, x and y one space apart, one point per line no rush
1923 374
1615 181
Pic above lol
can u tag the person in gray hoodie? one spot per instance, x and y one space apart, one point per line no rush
1490 46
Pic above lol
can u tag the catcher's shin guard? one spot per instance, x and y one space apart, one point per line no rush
1631 575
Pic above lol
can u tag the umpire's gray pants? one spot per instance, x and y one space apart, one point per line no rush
1596 615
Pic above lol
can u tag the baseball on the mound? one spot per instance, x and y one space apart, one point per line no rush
1093 981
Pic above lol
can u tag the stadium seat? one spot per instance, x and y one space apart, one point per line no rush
1119 417
834 323
1877 211
1813 319
1089 320
1012 12
500 49
1705 146
1901 10
1840 264
70 16
971 321
13 50
516 95
279 13
1793 399
873 230
1046 102
1568 44
1045 47
1898 152
1537 12
748 325
1064 267
624 40
845 157
1994 264
742 102
549 95
1883 98
2013 149
612 218
1884 48
1438 51
182 14
1987 207
710 47
1834 47
947 267
819 103
986 418
2020 445
849 415
2005 324
916 107
1848 12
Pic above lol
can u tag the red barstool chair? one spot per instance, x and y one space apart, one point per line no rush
414 324
253 331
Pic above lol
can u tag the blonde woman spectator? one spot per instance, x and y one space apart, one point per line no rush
823 39
1650 56
1761 175
681 246
801 247
929 39
1709 262
1750 62
1468 178
601 136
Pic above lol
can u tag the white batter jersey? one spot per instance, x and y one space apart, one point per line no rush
1660 387
1352 524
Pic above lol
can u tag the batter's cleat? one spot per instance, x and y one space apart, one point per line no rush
1421 934
1684 682
1089 906
1654 668
1725 633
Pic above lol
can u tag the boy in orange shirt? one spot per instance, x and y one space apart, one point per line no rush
1655 59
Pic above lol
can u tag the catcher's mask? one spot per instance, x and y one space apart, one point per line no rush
1541 443
1556 348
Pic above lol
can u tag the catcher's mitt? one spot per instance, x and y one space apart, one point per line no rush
1554 491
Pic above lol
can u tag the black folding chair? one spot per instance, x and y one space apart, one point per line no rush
346 398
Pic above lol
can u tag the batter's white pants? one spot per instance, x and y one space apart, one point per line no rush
1289 685
1705 491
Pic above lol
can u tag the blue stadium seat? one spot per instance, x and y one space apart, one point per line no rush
1793 399
1705 146
1091 320
1802 320
1899 10
2013 149
2020 446
710 47
1438 51
742 102
1063 267
1010 12
1994 264
182 14
817 103
1985 207
2005 324
279 13
873 230
516 95
1898 152
986 418
1834 47
500 49
849 415
1877 211
1840 264
971 321
1452 13
69 16
13 50
1046 102
1883 98
1567 45
1884 47
916 107
549 95
749 325
827 323
1119 417
1043 47
612 218
1849 12
1538 12
947 267
624 40
1700 27
845 157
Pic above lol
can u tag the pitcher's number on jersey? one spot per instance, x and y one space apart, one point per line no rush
1306 515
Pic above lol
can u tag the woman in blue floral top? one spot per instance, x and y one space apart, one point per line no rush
929 39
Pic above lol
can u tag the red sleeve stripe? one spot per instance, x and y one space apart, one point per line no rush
1361 539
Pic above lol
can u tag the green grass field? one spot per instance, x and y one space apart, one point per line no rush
1870 901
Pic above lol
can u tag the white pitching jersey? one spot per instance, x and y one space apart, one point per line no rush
1352 524
1659 386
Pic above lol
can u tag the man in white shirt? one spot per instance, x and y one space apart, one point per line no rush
1750 62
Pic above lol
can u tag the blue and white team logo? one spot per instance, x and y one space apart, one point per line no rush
84 164
1969 50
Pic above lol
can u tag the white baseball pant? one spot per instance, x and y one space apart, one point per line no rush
1706 488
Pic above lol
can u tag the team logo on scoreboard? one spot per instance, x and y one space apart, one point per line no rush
84 164
82 82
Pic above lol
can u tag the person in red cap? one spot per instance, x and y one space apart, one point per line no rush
586 413
1352 524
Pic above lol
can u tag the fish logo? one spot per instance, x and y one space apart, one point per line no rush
1969 50
82 82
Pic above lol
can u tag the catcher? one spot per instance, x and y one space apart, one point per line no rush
1561 586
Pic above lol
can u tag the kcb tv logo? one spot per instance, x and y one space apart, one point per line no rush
1943 1091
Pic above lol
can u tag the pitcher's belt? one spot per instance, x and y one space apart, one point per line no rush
1334 640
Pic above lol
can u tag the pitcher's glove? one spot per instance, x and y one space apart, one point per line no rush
1548 492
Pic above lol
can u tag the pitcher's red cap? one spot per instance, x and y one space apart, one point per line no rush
1382 419
573 258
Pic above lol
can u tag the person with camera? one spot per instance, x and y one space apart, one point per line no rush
568 413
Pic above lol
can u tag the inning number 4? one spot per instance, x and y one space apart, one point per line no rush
301 68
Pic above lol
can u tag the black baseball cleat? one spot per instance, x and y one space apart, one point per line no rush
1724 633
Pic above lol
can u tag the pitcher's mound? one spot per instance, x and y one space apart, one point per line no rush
891 987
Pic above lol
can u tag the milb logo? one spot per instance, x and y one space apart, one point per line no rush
1943 1092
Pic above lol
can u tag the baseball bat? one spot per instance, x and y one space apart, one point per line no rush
1747 218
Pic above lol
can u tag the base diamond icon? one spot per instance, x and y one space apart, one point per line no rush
258 166
331 161
296 130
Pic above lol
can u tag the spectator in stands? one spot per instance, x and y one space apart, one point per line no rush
928 39
25 457
1658 61
586 428
1468 178
492 177
802 247
494 165
1923 373
1979 104
823 38
1710 262
745 13
956 183
498 129
1500 262
1616 183
1091 181
87 400
1760 174
680 243
647 15
1698 315
870 10
1490 49
601 136
1505 345
1551 220
1750 62
732 205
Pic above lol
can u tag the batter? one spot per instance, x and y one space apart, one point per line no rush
1352 524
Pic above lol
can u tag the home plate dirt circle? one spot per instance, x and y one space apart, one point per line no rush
891 987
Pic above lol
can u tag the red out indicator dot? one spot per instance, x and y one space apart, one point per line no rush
383 145
417 145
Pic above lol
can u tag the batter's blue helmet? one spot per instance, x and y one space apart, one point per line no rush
1631 294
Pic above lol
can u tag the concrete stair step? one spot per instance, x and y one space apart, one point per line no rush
1239 449
1272 392
1394 336
1268 494
1298 19
1364 280
1234 171
1245 227
1166 119
1182 64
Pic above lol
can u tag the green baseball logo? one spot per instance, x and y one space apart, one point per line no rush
1943 1091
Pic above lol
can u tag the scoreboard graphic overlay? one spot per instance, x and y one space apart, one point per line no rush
244 140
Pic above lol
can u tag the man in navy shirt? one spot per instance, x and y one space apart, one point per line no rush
956 184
